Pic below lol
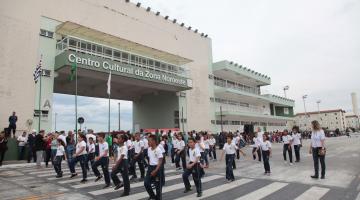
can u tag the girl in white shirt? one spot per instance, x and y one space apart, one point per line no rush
180 153
296 142
316 147
80 156
287 141
265 147
102 160
60 154
212 143
229 149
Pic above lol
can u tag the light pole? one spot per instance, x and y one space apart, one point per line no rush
318 105
55 121
119 116
285 88
304 97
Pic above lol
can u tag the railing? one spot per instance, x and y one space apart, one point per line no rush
236 86
87 47
237 108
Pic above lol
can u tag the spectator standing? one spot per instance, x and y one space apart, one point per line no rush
12 123
31 150
39 146
3 146
22 139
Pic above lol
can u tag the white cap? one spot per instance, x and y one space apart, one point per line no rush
33 131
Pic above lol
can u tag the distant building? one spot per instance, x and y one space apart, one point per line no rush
328 119
352 121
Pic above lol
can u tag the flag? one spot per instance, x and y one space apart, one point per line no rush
73 71
109 84
37 72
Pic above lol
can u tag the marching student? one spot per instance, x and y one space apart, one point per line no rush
174 147
230 150
121 166
266 153
193 167
180 153
60 154
91 152
103 160
162 147
146 146
138 158
79 156
287 140
256 147
296 142
153 174
212 144
131 151
206 150
201 147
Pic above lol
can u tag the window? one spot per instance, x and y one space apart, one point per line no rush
286 111
72 43
46 33
151 63
99 49
125 56
117 54
108 52
157 64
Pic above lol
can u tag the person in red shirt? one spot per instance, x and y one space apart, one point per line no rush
48 149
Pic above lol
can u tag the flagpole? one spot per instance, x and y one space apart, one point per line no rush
76 93
39 123
109 93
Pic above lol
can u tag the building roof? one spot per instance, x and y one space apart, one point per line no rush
322 111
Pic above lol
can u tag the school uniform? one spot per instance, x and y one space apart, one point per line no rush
194 154
91 154
131 152
80 158
146 147
256 141
123 169
316 137
173 150
137 158
206 151
265 149
212 144
161 146
60 151
230 150
297 145
103 162
287 147
180 154
154 156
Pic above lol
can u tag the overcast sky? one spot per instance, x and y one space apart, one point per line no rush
312 46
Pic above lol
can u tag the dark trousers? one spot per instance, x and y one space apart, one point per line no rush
12 127
195 171
124 170
91 158
316 158
173 155
146 158
237 154
297 152
229 159
57 164
69 153
266 156
21 152
181 156
31 154
212 152
156 180
258 154
205 156
82 160
287 148
104 163
140 161
2 155
47 156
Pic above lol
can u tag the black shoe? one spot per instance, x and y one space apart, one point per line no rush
73 175
125 194
187 190
106 186
141 179
322 177
199 194
119 186
98 178
315 177
83 181
59 176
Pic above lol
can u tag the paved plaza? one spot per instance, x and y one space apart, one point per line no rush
24 181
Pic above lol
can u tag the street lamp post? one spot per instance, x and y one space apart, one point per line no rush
304 97
285 88
318 105
55 121
119 116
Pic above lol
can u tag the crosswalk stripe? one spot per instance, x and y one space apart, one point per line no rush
264 191
101 182
76 180
139 184
218 189
166 189
313 193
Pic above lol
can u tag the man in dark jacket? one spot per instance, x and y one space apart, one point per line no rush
12 123
39 146
31 150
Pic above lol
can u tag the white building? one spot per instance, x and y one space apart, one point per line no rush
352 121
328 119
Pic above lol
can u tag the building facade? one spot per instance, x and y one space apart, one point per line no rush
164 67
352 121
328 119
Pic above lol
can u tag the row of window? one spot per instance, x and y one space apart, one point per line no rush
228 122
235 85
230 102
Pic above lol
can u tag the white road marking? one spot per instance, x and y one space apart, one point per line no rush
264 191
313 193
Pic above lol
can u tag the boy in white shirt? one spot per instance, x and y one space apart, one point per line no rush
297 143
212 143
121 166
138 158
103 160
287 140
180 153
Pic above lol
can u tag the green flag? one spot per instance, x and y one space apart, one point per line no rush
73 71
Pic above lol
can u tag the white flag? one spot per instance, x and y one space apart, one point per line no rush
38 70
109 84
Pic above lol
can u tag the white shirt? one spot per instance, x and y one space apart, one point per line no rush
63 138
175 143
123 150
199 146
102 148
296 138
230 148
286 139
154 155
91 148
129 144
181 145
138 145
22 140
265 146
316 137
79 145
161 146
206 143
256 142
146 144
212 141
60 150
193 154
90 135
